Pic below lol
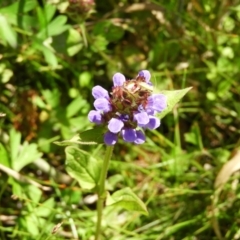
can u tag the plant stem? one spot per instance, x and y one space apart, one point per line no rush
101 190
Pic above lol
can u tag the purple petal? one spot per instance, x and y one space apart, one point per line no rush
140 137
102 104
157 102
150 112
154 123
99 92
129 134
146 74
115 125
110 138
160 102
141 118
150 101
95 117
118 79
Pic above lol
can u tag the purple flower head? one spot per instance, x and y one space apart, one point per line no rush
129 109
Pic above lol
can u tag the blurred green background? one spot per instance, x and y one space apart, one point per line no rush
52 52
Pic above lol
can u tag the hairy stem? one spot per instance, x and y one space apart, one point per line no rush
101 190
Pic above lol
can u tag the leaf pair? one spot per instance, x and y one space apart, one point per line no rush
86 170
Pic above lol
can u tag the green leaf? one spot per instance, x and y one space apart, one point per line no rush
21 155
127 199
45 209
4 159
69 42
71 142
33 193
88 137
19 7
56 27
173 97
82 167
110 31
49 56
74 107
99 43
49 10
85 79
52 97
74 42
31 223
94 135
7 33
170 230
15 142
47 51
17 189
15 14
27 155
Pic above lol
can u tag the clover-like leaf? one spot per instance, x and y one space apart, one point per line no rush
128 200
82 167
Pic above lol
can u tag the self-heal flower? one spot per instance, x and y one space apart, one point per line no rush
153 123
110 138
95 116
118 79
157 102
115 125
142 118
145 74
140 137
129 134
102 104
129 109
99 92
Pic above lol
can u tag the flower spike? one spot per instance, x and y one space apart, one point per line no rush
129 109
